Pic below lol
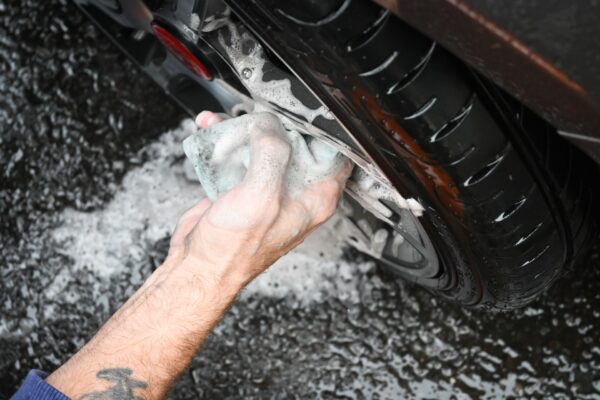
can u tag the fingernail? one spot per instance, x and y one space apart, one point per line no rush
207 118
200 118
212 119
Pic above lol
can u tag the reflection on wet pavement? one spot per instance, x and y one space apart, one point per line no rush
86 204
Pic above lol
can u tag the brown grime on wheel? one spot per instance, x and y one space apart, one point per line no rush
442 186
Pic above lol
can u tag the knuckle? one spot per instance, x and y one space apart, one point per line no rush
322 217
265 122
269 119
331 190
274 144
326 211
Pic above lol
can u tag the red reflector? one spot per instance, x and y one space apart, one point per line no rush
180 51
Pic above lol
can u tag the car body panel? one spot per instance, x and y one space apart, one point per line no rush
544 52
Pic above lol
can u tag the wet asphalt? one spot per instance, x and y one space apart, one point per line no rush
76 116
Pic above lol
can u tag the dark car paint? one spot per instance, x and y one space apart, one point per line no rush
545 53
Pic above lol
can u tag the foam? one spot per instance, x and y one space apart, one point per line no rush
145 210
248 59
371 191
221 154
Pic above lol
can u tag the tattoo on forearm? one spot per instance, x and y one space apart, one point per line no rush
122 390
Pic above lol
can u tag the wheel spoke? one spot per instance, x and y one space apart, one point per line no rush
414 242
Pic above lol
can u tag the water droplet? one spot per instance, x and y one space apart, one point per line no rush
246 73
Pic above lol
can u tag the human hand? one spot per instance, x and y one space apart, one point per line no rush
265 216
216 248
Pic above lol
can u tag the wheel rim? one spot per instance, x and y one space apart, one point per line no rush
399 241
415 253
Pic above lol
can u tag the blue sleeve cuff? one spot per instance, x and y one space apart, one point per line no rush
35 388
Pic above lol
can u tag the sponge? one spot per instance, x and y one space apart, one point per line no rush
221 154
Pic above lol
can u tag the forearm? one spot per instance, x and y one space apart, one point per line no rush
215 250
152 338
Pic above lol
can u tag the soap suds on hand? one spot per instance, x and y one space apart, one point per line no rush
221 154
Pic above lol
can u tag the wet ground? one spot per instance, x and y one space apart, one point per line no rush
91 181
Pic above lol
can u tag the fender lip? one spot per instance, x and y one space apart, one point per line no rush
509 60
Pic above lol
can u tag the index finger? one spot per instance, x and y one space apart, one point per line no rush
269 154
207 118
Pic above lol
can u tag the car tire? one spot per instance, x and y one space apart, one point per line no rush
508 202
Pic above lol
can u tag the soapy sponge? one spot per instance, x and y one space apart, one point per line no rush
221 154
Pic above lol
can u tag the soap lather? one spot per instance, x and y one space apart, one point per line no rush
221 153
